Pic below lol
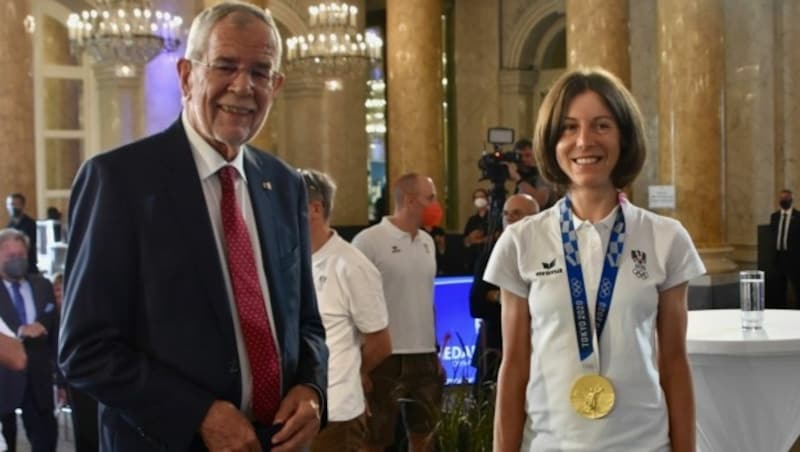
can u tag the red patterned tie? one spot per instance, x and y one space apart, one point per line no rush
261 350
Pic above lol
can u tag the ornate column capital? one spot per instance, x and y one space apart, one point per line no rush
302 85
112 74
517 81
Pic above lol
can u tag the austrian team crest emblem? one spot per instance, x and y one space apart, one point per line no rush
639 264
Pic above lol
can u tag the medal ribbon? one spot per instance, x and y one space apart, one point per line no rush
577 289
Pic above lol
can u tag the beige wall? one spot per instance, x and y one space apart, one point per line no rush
477 105
18 170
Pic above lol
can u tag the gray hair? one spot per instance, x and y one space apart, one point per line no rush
197 42
320 187
14 234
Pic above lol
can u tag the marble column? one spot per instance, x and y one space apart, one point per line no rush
414 89
787 152
516 95
597 35
302 94
18 171
644 86
121 106
691 78
749 122
477 99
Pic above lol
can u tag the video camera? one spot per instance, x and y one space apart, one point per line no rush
494 167
492 163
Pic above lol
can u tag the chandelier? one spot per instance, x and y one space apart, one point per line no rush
124 32
333 48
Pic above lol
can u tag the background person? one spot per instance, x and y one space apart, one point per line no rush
477 228
190 312
27 306
574 377
353 311
784 267
484 304
19 220
404 255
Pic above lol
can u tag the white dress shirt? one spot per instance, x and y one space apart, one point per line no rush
209 162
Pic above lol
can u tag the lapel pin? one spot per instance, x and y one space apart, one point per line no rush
266 185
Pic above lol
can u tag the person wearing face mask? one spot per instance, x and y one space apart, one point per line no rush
784 267
484 302
28 307
19 220
477 228
431 219
405 257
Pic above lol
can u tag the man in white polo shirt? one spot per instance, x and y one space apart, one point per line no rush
351 304
406 258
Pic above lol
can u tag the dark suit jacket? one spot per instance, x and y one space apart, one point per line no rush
27 225
147 329
792 240
481 308
39 372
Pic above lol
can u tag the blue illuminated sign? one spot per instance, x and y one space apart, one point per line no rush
456 330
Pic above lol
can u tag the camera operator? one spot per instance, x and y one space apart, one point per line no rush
541 191
526 167
526 175
484 301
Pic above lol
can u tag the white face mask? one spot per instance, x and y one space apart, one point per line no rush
480 203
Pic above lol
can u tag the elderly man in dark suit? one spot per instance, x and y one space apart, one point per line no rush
19 220
190 312
785 265
27 306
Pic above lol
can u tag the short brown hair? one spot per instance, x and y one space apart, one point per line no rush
616 97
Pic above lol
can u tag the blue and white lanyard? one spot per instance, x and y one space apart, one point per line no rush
577 289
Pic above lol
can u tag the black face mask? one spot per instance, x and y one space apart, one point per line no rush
16 267
15 212
785 203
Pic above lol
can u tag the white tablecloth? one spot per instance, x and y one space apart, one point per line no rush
746 383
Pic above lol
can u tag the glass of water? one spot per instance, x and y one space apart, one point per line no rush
751 298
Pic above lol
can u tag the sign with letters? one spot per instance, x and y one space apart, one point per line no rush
456 330
661 196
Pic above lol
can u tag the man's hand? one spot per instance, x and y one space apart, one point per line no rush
226 429
300 416
12 353
32 330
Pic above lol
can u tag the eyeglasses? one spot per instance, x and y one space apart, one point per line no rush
261 76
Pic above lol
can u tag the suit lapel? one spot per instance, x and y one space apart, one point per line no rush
187 200
260 180
7 310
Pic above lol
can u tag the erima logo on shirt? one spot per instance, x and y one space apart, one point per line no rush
395 249
549 270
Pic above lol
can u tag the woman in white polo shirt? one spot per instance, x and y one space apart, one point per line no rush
594 291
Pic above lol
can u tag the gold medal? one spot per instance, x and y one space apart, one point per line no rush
592 396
